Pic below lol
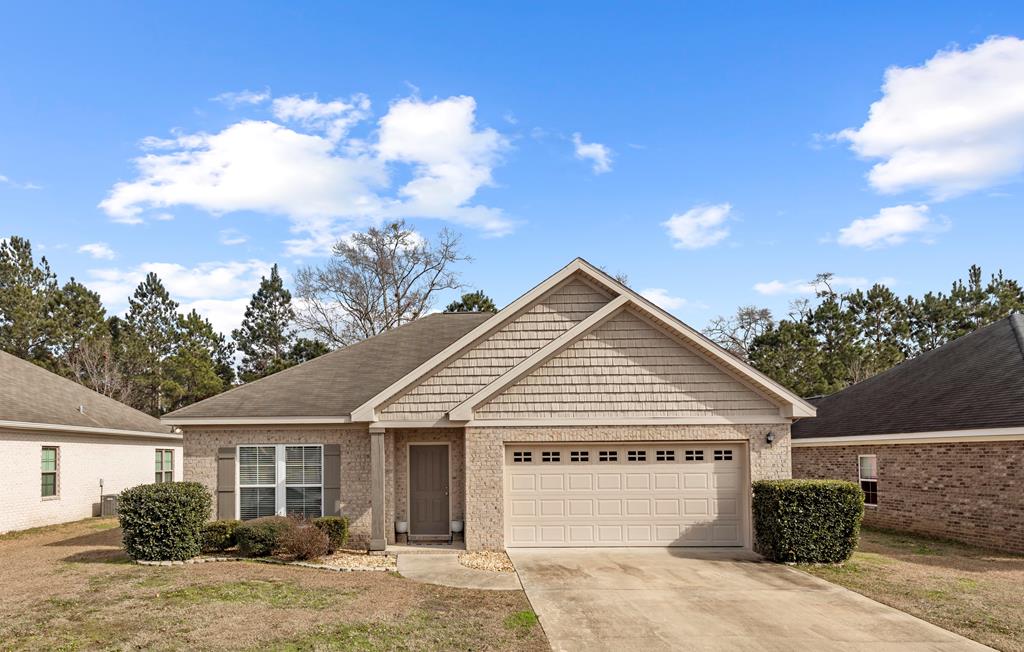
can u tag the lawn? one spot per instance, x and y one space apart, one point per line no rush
70 587
968 590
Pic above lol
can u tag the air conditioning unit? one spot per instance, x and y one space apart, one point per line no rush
108 505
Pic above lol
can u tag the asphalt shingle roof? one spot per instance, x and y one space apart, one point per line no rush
976 381
31 394
337 383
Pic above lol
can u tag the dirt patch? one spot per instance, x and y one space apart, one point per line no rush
971 591
487 561
70 587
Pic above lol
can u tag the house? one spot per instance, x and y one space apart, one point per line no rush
63 445
937 443
579 415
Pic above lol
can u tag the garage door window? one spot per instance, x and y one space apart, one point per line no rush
522 457
868 471
608 456
723 455
665 456
636 456
550 456
579 456
694 456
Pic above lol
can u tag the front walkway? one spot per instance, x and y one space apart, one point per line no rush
691 599
443 567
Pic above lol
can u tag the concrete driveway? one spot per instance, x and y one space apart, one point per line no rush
684 599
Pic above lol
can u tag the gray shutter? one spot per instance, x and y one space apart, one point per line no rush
332 479
226 482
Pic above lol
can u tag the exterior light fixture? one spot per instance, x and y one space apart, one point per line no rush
770 437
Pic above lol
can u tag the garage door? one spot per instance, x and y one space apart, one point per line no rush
664 494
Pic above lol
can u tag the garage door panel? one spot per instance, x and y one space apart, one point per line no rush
635 494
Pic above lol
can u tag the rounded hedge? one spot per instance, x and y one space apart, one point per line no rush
163 522
261 536
336 529
812 521
219 535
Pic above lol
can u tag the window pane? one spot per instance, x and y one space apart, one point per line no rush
49 461
304 501
870 489
168 460
303 465
256 465
159 459
255 502
49 487
868 467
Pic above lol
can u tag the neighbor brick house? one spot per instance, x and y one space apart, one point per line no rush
937 442
579 415
63 445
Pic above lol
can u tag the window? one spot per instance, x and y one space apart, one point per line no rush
49 470
723 455
550 456
608 456
694 456
579 456
280 480
665 456
868 471
164 465
522 456
636 456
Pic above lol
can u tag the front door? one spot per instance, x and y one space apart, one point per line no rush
428 489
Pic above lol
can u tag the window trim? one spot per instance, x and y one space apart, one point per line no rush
163 470
280 477
862 480
55 472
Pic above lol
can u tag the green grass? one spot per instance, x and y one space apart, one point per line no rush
521 622
93 523
273 593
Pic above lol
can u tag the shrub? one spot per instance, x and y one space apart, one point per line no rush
336 529
303 540
262 536
163 522
219 535
813 521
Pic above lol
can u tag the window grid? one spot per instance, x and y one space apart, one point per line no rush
867 471
608 456
579 456
550 456
522 456
48 467
164 465
636 456
723 455
665 456
694 456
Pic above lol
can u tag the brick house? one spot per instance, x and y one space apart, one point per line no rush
579 415
62 445
937 442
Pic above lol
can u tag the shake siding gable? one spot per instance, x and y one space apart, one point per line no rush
555 313
626 367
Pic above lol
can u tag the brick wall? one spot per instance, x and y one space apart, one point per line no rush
970 491
485 461
82 462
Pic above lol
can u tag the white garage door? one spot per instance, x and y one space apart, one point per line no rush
639 494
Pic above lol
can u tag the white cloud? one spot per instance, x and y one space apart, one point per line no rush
236 99
232 237
20 185
325 187
891 226
776 287
699 227
333 118
163 217
97 250
599 154
950 126
660 297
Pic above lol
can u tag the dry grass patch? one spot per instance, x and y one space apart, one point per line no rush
70 588
971 591
487 561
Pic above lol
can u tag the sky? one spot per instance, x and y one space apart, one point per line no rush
716 155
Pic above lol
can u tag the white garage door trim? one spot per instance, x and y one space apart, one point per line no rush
660 494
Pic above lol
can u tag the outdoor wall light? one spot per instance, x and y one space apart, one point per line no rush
770 437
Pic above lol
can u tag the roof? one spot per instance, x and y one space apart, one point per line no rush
30 394
334 384
973 382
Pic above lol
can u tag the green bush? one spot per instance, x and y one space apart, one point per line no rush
219 535
262 536
812 521
163 522
336 529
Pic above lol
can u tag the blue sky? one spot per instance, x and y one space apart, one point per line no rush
698 149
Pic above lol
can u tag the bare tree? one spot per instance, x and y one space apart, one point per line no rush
375 281
736 333
93 364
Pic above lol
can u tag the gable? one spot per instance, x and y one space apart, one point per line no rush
551 315
626 367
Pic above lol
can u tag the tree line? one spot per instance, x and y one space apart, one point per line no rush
157 359
840 338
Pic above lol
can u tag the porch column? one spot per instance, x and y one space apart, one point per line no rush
378 538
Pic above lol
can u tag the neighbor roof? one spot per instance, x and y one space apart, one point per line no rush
336 383
30 394
976 381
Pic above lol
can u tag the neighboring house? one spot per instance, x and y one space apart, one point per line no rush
937 443
62 445
580 415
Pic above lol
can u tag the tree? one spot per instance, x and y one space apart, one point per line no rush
789 354
149 338
737 333
883 322
472 302
94 364
305 349
194 370
78 317
266 335
376 281
27 297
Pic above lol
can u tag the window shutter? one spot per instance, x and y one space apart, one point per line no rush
332 479
226 482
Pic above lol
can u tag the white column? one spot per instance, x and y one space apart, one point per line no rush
378 538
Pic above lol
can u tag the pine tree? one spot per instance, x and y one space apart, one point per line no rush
265 336
472 302
150 336
195 370
79 317
27 298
